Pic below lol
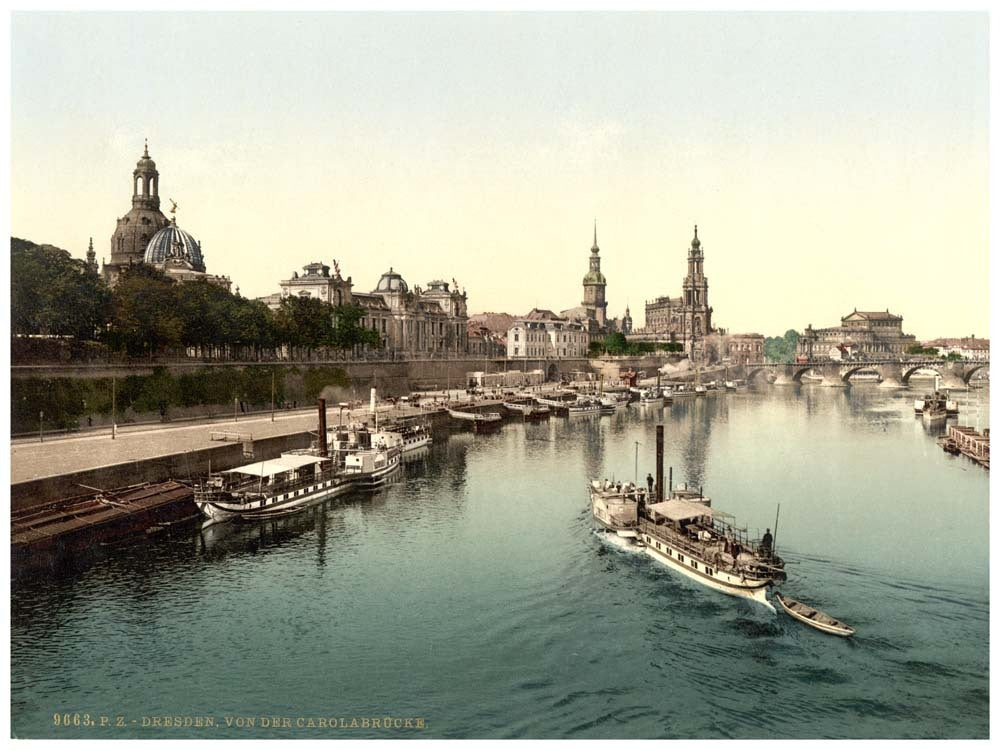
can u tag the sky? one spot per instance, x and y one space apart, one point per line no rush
831 161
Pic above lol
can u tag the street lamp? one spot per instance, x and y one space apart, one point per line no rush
41 416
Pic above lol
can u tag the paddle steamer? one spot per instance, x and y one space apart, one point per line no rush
689 536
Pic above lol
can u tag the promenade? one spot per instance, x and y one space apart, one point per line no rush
33 459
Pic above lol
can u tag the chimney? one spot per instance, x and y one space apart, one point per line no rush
321 404
659 462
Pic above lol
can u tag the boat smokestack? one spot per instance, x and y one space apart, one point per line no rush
659 462
670 481
321 405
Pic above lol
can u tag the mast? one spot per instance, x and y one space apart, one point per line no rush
774 537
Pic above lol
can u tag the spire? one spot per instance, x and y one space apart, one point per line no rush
695 242
594 248
145 148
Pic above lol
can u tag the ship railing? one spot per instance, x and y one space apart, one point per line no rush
254 486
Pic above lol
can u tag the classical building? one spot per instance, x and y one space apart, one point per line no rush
137 227
543 334
413 323
863 334
686 319
144 235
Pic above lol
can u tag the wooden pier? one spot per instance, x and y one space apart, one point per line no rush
969 442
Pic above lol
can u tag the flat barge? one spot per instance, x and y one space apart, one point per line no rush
97 518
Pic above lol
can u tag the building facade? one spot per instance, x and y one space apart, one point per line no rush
970 348
744 348
686 319
410 323
543 334
860 334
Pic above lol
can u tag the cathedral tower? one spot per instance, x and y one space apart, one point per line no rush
696 309
137 227
594 285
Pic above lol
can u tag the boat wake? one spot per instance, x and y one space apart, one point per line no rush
621 544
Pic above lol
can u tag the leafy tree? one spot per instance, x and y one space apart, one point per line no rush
305 322
54 294
348 331
917 349
781 348
147 317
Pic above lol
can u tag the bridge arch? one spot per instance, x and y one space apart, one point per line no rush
845 375
908 371
799 372
973 370
552 373
755 371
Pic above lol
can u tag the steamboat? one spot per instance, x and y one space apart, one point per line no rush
354 459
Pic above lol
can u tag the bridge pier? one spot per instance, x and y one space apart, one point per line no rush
892 376
785 375
953 376
831 376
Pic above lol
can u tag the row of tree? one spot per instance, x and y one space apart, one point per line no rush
54 294
616 344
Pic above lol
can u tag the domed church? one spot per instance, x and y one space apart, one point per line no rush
145 235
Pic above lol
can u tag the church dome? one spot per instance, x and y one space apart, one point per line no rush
174 241
391 282
696 243
594 277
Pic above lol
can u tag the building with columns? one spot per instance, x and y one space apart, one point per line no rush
411 323
866 334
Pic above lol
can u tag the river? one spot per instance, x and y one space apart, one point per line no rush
474 595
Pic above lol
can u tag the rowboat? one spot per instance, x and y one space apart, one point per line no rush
813 617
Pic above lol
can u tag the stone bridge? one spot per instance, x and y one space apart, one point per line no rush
895 373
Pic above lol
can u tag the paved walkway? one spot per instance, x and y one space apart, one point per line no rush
64 455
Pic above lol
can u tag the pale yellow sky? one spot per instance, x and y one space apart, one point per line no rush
831 162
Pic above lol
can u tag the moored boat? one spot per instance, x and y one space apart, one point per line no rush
813 617
481 421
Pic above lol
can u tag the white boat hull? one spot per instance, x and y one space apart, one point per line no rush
272 507
719 581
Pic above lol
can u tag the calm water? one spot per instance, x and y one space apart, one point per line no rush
475 594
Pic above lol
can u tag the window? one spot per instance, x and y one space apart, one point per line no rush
680 558
515 336
657 545
694 565
709 571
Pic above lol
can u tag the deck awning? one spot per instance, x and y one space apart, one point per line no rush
275 465
682 510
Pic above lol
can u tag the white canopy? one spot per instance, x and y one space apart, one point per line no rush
269 468
680 510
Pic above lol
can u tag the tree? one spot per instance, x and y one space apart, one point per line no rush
782 348
305 322
147 316
348 331
54 294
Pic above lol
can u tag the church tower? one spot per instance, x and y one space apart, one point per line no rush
696 310
91 257
136 228
594 284
627 322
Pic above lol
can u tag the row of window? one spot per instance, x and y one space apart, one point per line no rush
680 557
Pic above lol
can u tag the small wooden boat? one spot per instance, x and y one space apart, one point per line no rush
813 617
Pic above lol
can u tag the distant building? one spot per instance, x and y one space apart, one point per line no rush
626 327
593 311
744 348
686 319
417 323
860 334
970 347
144 235
543 334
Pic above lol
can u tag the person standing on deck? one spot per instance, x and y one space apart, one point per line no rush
767 541
649 483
